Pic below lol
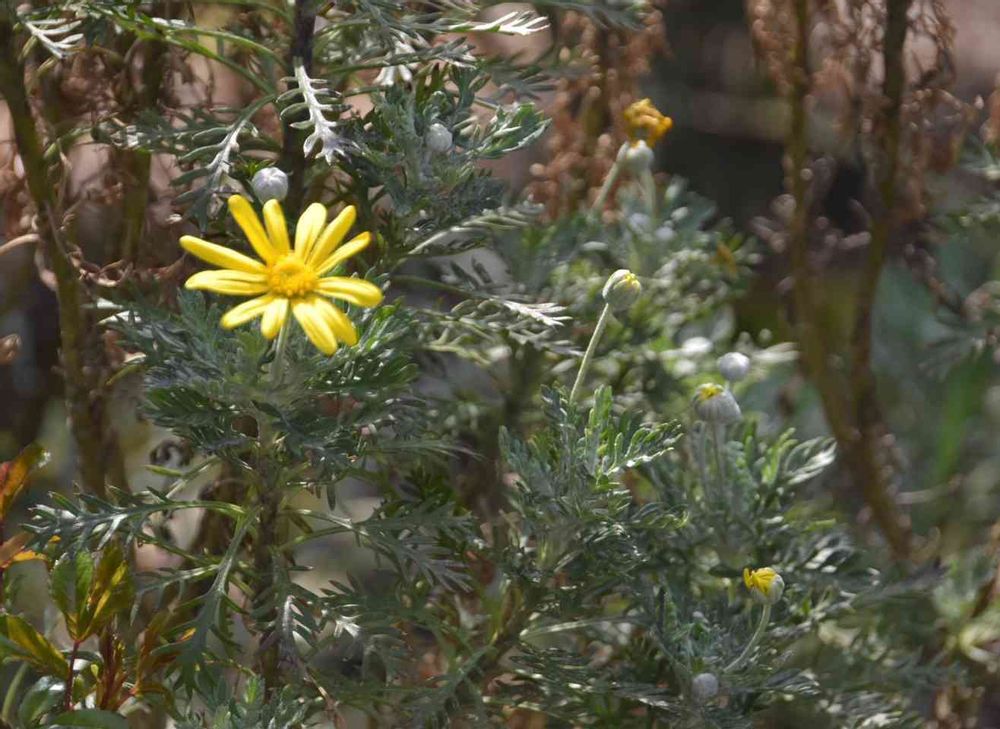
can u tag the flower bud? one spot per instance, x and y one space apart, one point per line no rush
704 686
765 585
270 183
438 138
716 405
734 366
622 290
638 157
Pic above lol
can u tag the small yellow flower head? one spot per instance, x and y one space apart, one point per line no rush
715 404
622 290
765 585
288 278
644 122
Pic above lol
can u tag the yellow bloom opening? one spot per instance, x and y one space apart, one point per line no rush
644 122
288 279
765 584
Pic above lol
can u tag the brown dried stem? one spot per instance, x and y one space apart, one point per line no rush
293 158
96 448
863 389
854 422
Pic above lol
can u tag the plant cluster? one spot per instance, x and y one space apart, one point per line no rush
576 521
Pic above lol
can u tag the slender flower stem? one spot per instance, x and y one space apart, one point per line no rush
649 192
588 356
609 181
765 618
698 452
269 496
276 371
720 463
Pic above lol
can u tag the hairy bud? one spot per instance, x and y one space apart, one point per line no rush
704 686
270 183
439 138
734 366
622 290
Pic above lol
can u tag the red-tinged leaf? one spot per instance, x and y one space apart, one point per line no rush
13 550
20 640
110 592
14 474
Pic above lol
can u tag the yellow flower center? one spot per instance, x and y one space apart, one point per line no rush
707 392
290 277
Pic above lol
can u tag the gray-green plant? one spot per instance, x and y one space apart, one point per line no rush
579 558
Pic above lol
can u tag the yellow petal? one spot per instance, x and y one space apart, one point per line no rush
308 228
314 324
351 248
246 311
332 235
244 215
220 256
277 229
26 556
339 322
352 290
234 283
274 316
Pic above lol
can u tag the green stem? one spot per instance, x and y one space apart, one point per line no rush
765 618
720 464
609 181
269 496
649 192
588 356
700 447
276 371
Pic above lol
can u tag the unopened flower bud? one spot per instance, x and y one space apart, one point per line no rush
639 157
622 290
439 138
765 585
704 686
734 366
716 405
270 183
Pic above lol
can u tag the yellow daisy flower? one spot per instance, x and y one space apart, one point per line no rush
288 278
645 123
764 584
